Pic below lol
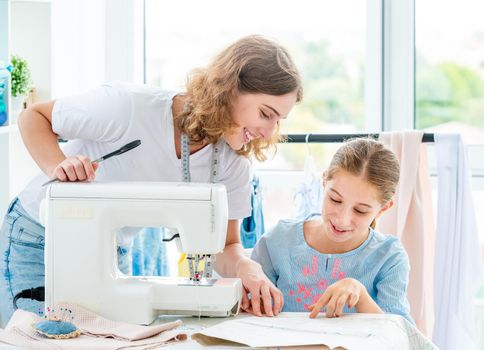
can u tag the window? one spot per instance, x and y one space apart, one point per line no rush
449 79
357 63
450 68
329 52
327 42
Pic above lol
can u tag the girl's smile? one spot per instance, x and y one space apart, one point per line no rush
350 203
338 232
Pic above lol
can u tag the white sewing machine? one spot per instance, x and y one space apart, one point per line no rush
81 221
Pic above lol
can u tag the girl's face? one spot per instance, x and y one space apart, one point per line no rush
350 203
257 116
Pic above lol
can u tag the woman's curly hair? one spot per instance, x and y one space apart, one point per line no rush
252 64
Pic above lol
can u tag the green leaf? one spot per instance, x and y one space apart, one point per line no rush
20 76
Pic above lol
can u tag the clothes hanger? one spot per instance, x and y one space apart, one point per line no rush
307 144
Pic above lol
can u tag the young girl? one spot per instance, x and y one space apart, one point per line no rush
340 262
231 108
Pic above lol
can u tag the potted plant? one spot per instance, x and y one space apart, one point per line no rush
20 84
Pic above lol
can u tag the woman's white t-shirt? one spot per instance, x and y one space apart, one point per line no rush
102 120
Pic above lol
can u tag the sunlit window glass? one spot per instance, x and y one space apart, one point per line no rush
326 39
450 77
450 67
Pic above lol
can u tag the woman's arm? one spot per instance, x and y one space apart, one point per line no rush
264 296
35 125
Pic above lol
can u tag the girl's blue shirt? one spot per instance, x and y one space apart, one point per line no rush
303 274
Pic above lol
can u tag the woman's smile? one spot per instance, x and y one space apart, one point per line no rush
248 136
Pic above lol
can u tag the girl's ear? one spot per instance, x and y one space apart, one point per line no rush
387 206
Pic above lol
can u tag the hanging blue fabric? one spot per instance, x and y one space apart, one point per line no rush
308 199
252 227
137 255
149 253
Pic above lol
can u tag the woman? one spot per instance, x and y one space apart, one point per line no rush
231 108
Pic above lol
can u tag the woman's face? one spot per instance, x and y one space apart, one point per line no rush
257 116
350 203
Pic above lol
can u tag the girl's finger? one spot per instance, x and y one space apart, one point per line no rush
330 309
316 308
340 304
353 300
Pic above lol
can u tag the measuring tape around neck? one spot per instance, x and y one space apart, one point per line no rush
185 159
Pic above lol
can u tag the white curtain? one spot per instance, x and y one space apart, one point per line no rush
458 264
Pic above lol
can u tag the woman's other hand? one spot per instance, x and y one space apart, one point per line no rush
260 296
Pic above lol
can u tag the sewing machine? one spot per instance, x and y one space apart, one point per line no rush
81 222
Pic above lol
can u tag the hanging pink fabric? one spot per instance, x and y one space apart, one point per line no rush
412 220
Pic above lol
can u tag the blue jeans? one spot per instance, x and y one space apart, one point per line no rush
22 266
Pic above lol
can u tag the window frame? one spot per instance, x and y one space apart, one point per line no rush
390 63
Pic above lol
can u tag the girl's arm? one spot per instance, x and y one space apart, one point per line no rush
366 304
391 285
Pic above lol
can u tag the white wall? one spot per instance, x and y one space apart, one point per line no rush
4 154
78 43
27 34
71 46
94 41
30 38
